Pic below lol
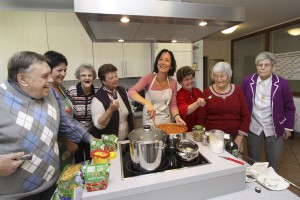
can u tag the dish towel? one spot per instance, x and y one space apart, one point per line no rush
265 176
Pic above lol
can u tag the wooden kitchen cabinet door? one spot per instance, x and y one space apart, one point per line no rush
137 59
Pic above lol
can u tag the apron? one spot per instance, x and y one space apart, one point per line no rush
160 100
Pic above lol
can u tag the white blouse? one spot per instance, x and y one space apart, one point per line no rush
97 110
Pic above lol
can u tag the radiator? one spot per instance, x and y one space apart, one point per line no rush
297 122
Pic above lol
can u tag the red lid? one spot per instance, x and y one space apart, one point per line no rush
100 153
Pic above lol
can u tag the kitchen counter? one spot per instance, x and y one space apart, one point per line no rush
220 177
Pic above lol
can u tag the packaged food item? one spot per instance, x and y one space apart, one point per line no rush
96 176
70 183
96 143
112 155
110 142
100 156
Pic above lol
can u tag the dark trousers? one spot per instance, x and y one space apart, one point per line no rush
83 152
45 195
273 148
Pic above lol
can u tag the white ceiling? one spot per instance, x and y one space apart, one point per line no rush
260 14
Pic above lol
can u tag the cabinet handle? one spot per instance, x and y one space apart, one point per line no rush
122 66
125 68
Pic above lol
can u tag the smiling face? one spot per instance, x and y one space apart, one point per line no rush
36 82
86 78
59 73
188 82
164 63
264 69
111 80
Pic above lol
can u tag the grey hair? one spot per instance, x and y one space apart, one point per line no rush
20 62
221 67
266 55
87 66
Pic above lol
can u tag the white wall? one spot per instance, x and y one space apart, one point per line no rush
217 50
198 60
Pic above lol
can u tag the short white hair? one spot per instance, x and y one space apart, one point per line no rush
266 55
221 67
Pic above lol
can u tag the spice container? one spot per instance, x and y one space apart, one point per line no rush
204 140
198 133
100 156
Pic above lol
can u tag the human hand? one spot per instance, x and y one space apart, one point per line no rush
201 102
287 134
114 104
9 163
239 141
179 120
71 146
150 110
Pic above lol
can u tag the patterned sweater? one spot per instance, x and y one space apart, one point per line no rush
31 126
82 104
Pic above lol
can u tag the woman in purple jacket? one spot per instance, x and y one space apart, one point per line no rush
272 109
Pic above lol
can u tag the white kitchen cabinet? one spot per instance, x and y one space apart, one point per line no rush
67 36
137 59
20 31
183 53
131 59
105 53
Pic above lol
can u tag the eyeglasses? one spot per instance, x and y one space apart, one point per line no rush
222 77
267 65
86 75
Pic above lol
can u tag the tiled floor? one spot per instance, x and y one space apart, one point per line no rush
289 165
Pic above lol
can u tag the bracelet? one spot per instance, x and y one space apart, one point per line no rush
176 115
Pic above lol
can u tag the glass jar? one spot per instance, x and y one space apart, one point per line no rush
198 133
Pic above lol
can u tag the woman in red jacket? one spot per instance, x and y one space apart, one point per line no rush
188 97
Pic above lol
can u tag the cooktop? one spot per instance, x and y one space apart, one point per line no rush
170 161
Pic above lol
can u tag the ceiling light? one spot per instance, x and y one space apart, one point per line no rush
125 19
120 40
294 31
229 30
174 41
203 23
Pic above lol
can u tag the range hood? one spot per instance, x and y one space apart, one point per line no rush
154 20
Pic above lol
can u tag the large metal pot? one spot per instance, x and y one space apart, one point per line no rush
147 147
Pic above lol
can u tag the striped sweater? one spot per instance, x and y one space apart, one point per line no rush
82 104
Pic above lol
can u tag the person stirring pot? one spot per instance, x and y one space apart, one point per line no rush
160 105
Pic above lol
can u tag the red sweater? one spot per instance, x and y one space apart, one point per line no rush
226 112
184 99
